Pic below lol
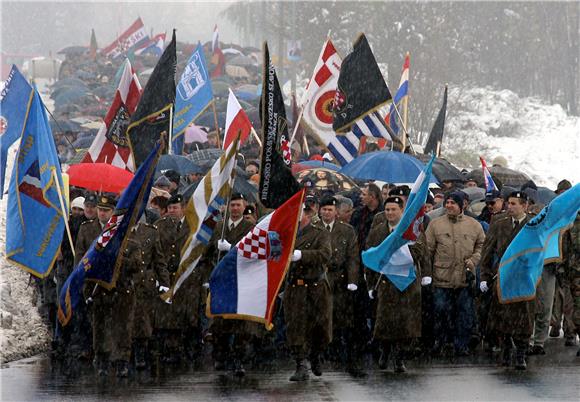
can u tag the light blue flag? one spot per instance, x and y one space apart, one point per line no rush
14 107
34 220
520 268
193 96
392 257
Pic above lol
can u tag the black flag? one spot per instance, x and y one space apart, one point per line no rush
276 181
152 115
436 137
361 87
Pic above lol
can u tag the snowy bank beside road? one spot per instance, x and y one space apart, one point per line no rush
536 138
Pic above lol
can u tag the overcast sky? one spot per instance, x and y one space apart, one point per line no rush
37 27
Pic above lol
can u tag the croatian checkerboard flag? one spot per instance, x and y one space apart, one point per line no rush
489 183
245 283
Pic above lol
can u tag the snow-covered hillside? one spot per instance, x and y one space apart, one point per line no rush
535 137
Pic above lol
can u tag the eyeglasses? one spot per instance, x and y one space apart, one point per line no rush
490 203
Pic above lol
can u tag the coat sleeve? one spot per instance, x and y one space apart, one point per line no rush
430 243
81 245
373 239
488 253
476 256
352 258
160 261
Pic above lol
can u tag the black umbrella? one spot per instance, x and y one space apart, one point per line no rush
208 120
501 176
241 186
83 142
180 164
442 168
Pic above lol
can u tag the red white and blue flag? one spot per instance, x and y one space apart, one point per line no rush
392 257
245 283
135 37
401 94
489 183
154 46
215 40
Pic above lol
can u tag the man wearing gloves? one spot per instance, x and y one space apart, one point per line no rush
308 299
514 322
223 330
454 242
343 278
398 316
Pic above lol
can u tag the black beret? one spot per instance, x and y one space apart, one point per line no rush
238 196
175 199
401 191
172 175
249 210
519 194
327 201
312 199
492 195
396 200
106 201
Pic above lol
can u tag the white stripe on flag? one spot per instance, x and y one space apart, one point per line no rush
252 286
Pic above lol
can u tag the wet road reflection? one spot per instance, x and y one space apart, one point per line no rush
553 377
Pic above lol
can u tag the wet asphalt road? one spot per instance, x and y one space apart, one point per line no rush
554 377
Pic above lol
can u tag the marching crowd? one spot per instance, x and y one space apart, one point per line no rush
331 309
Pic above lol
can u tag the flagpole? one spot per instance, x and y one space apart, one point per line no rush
169 145
61 129
215 120
404 128
296 127
406 105
64 211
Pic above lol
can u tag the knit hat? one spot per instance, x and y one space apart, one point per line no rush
457 196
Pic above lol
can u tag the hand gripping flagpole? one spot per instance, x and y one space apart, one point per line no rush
64 211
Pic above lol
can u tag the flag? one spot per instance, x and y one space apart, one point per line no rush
215 39
277 184
154 46
489 183
401 94
194 94
152 115
93 46
111 144
130 40
236 121
361 87
102 262
34 218
245 283
15 102
202 214
436 137
520 267
392 257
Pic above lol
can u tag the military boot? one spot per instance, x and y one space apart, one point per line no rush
102 365
520 359
399 363
122 368
315 365
507 348
301 373
140 352
239 368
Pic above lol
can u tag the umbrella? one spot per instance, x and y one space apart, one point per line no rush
326 179
64 125
241 61
100 177
207 119
442 168
542 195
220 88
248 88
241 186
505 176
70 81
83 142
298 167
180 164
389 166
246 95
474 193
205 154
195 134
104 91
69 96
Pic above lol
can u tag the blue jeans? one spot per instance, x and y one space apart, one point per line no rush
454 316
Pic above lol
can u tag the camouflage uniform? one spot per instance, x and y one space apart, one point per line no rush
574 271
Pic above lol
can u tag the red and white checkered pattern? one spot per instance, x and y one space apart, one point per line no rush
110 230
286 152
254 245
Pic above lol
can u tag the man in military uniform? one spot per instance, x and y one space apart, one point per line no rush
398 315
225 349
514 322
307 299
151 278
574 272
177 322
343 277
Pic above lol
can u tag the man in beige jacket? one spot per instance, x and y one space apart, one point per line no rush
454 243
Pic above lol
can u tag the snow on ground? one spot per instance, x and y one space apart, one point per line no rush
536 138
22 332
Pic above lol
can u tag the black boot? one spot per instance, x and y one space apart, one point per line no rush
520 359
384 358
315 365
122 368
301 373
102 364
140 353
399 362
507 348
239 368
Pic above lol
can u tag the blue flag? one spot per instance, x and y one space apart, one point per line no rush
520 268
194 95
14 107
101 264
392 257
34 221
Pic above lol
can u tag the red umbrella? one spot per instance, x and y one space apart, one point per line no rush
100 177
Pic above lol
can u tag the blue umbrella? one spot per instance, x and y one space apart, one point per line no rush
247 96
83 142
320 164
389 166
180 164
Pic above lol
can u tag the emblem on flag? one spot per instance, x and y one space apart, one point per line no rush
193 78
3 125
31 185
